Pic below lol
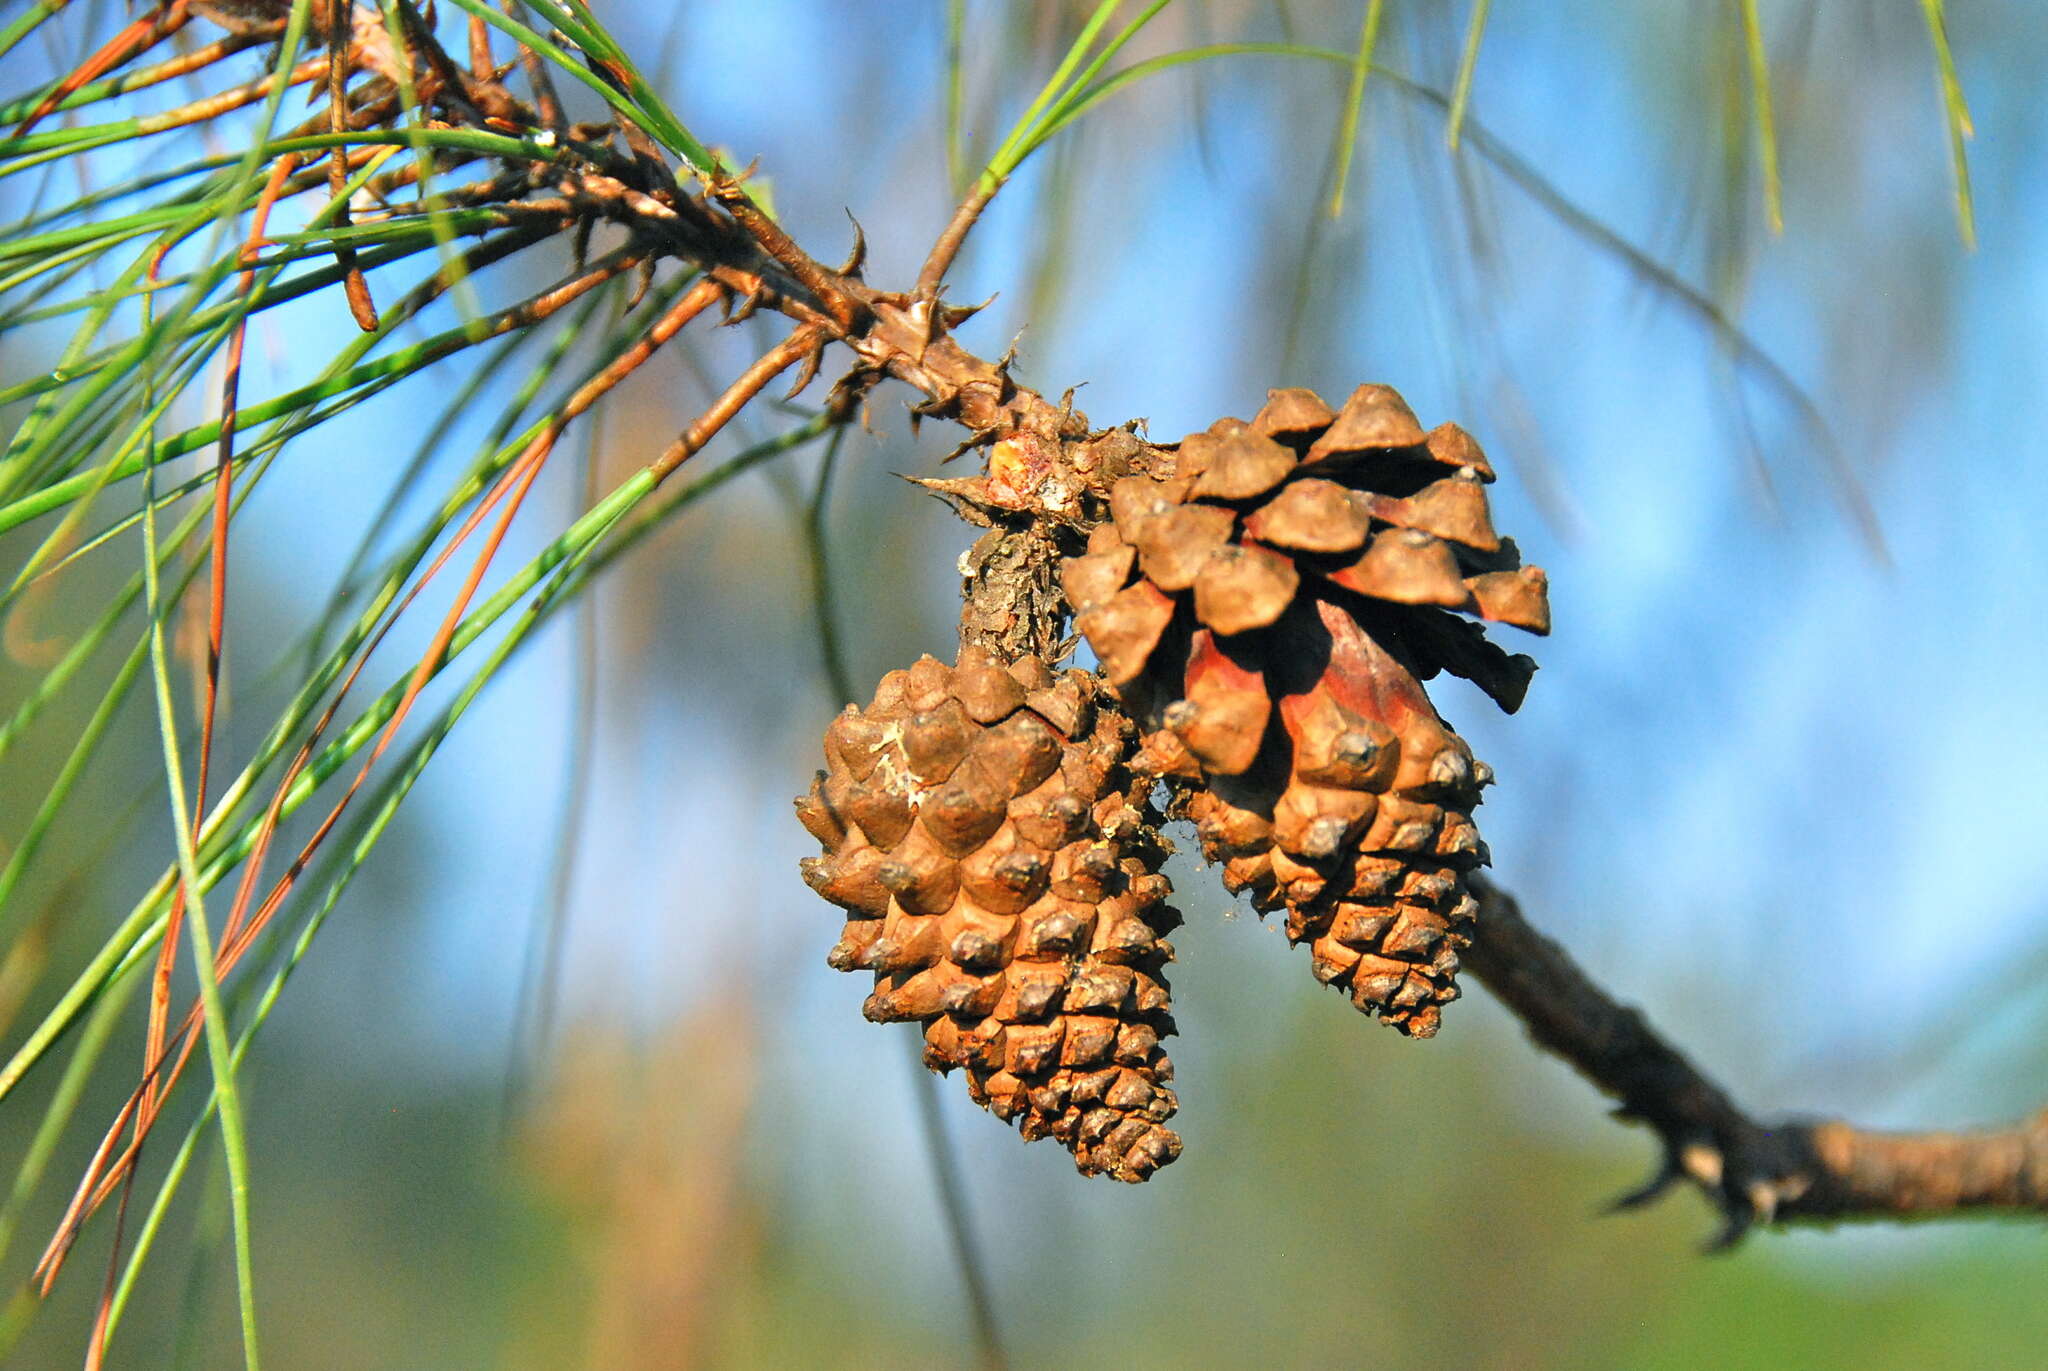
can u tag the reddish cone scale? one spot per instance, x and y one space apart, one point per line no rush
999 865
1268 609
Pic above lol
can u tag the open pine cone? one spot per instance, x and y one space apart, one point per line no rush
1268 610
999 864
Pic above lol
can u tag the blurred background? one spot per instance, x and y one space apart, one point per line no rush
565 1080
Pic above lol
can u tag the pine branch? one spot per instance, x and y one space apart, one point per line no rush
1047 475
1782 1172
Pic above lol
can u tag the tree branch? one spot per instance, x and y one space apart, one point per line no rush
933 274
1788 1171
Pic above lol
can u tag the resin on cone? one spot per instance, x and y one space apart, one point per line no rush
998 861
1268 608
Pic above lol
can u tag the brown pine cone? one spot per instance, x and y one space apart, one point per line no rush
999 864
1268 609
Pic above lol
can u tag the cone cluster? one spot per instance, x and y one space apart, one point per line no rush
998 862
1268 609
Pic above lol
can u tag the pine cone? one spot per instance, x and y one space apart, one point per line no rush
1268 609
999 864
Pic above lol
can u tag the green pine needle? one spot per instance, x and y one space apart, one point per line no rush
1468 62
1766 125
1957 111
1354 103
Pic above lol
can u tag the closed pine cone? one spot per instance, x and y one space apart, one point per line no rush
999 865
1268 608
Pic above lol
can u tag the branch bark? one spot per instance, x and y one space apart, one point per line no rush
1754 1172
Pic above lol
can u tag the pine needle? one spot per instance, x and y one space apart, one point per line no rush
1354 103
956 84
233 1124
1461 92
1960 128
1766 124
